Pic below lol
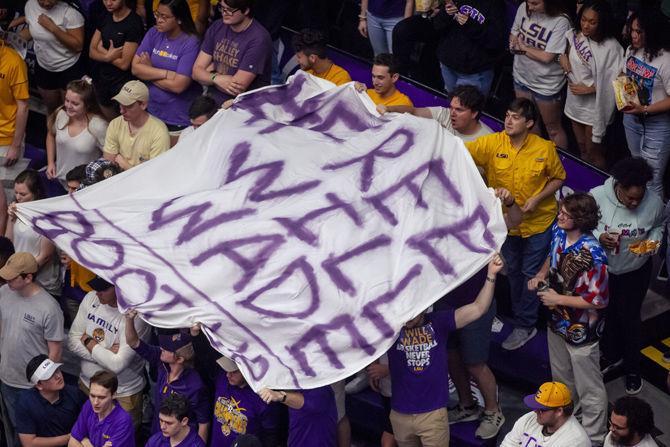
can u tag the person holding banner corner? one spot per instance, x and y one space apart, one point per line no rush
418 367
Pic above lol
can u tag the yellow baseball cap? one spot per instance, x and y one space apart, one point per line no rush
550 395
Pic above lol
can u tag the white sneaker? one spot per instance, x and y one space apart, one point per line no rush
518 338
490 425
464 414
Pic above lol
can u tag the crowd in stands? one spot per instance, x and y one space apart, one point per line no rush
124 83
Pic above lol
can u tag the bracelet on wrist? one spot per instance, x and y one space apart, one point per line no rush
283 399
362 17
510 205
491 280
214 73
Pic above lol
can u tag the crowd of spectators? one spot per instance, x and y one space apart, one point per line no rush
117 96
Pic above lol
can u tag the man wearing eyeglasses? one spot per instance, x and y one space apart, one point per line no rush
551 423
236 53
631 424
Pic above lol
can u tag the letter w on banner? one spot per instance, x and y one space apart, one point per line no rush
298 227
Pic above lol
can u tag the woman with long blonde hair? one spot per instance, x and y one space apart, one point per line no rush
75 131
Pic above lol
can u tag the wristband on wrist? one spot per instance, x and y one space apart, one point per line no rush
283 399
214 73
362 17
491 280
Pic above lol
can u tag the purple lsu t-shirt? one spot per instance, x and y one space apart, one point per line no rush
249 50
316 422
116 429
176 55
191 440
418 365
237 411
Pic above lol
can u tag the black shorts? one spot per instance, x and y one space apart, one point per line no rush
58 80
105 90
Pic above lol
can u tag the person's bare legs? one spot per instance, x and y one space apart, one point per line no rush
579 130
344 432
486 382
459 375
595 150
551 113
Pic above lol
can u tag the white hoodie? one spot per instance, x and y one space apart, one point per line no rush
644 222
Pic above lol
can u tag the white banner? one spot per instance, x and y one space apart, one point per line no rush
299 228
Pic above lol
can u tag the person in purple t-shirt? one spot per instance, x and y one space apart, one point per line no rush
175 428
102 422
165 59
238 410
236 53
173 361
418 367
312 415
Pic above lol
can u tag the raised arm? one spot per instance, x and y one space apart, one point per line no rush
465 315
132 338
292 399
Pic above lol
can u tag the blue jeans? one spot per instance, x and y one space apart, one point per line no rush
453 79
380 33
10 397
649 138
524 256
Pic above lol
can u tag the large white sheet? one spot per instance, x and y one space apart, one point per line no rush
299 228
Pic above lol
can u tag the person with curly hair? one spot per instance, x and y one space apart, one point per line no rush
572 284
631 424
630 214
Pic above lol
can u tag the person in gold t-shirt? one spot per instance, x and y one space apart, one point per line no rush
312 55
13 103
384 77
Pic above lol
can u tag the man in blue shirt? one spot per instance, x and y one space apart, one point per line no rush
47 412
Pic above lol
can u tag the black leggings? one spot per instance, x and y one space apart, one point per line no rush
622 337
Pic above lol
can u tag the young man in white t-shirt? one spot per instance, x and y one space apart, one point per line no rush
551 423
462 116
631 423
